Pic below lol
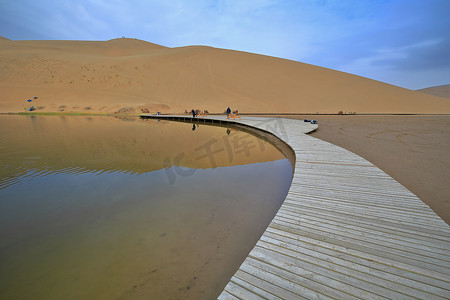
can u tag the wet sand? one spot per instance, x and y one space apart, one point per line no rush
414 150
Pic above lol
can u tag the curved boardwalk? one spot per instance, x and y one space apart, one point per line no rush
346 230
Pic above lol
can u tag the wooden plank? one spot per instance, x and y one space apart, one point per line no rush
346 229
258 293
266 283
393 253
391 231
314 290
352 266
394 218
227 296
238 292
376 236
416 277
325 277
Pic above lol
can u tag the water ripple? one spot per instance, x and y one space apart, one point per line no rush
25 173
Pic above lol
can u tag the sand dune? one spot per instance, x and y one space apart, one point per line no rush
440 91
125 75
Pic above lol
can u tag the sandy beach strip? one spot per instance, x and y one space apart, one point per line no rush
413 149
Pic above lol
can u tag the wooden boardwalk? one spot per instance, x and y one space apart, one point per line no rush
346 230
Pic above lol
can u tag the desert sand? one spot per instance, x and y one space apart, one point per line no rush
440 91
414 150
125 75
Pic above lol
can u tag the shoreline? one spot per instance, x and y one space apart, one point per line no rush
412 163
412 149
341 207
219 114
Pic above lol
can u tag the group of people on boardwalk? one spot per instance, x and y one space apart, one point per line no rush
198 112
232 114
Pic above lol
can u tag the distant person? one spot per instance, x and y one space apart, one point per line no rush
193 127
193 113
228 112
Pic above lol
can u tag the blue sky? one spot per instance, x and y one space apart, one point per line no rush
401 42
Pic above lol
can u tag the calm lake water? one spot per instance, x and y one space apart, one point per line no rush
108 208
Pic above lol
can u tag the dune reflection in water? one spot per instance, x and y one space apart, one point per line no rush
101 208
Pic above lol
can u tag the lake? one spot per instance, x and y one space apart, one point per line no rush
124 208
